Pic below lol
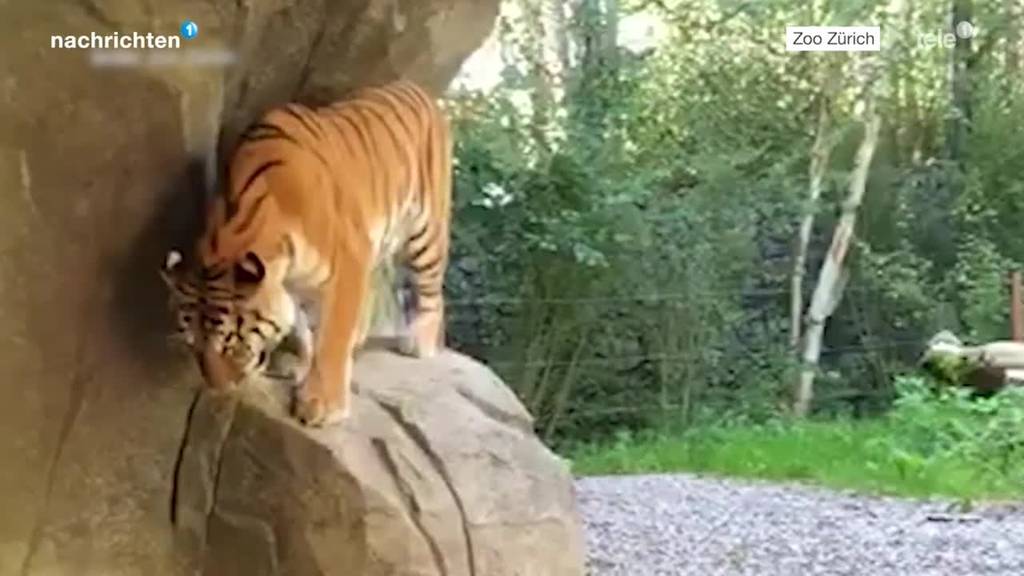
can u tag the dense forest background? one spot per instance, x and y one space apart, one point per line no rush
655 237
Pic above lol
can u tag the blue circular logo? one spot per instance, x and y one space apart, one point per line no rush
189 29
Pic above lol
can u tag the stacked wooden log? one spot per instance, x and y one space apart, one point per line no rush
986 368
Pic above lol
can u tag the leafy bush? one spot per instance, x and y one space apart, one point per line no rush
937 422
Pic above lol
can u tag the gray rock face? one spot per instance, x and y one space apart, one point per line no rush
437 472
102 170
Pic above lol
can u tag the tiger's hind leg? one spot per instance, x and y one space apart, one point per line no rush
420 291
405 301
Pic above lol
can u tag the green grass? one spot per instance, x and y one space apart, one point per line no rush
879 456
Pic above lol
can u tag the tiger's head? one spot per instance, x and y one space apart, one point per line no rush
231 316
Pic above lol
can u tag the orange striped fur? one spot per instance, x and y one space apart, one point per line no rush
314 201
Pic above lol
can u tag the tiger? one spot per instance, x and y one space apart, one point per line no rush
315 198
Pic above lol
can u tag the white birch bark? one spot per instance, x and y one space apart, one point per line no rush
828 291
821 150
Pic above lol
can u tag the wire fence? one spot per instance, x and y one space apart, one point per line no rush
627 299
758 301
633 409
670 359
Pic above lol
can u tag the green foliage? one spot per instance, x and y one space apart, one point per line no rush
947 370
948 422
981 280
931 444
624 227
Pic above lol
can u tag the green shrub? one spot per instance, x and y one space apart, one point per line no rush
934 442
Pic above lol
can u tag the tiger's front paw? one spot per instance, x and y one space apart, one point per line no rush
314 410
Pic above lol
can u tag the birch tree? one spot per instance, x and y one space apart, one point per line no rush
1013 10
821 151
560 31
832 275
541 71
961 14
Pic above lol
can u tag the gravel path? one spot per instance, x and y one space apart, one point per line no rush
687 525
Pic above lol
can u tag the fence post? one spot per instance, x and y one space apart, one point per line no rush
1016 309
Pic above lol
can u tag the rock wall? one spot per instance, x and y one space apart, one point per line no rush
436 473
102 168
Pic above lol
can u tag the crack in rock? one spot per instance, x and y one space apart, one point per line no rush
216 479
495 413
314 47
421 441
99 14
415 511
176 485
79 380
199 466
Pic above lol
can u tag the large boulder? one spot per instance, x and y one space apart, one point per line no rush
102 169
437 473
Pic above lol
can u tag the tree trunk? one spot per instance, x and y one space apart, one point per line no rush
916 128
1012 11
557 44
539 72
821 150
611 34
832 276
959 80
560 33
589 34
564 392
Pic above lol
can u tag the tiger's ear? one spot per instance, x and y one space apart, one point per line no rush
250 270
171 268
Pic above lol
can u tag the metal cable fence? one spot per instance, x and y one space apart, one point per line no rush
585 379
